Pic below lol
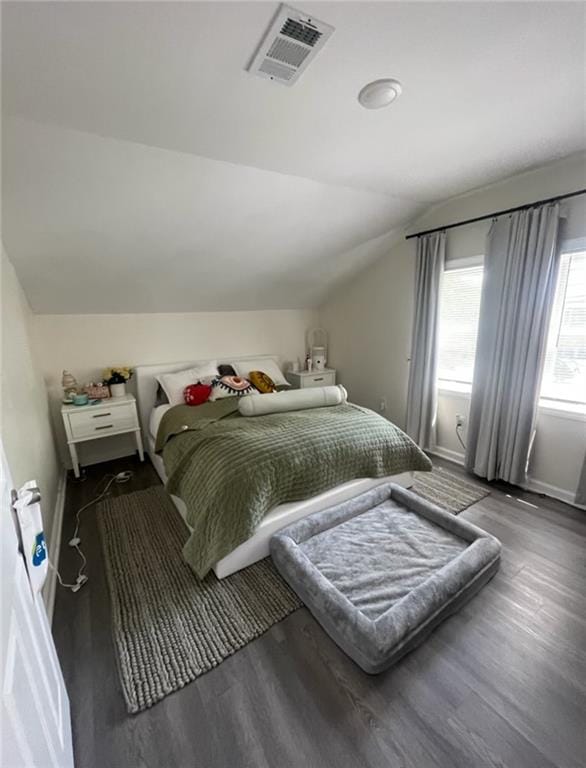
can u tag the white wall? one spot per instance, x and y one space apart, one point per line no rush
558 451
25 426
369 320
85 344
369 327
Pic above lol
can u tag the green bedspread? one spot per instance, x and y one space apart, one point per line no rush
231 470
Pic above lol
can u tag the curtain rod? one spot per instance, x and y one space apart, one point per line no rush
497 213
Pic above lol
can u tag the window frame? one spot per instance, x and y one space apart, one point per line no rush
554 405
564 409
559 410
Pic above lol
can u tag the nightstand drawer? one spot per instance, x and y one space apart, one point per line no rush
103 420
114 416
319 379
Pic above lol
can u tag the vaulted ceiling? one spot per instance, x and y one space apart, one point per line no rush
145 170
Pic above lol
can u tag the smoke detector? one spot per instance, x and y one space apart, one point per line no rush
380 93
291 42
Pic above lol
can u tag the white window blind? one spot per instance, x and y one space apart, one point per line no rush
458 324
564 372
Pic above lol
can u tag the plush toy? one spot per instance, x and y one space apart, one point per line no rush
196 394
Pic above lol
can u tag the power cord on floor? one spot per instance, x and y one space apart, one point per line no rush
75 541
459 436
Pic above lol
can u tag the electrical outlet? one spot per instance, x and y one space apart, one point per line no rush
383 405
459 420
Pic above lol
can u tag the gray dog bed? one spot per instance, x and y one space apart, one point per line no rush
380 571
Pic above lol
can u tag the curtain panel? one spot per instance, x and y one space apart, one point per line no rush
422 389
520 272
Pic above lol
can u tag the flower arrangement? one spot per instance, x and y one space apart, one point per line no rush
117 374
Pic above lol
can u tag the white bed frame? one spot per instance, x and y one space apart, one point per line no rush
257 547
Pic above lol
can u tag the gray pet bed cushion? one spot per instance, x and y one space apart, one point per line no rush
380 571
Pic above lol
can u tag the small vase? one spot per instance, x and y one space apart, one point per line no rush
117 390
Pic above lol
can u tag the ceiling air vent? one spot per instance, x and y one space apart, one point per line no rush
290 43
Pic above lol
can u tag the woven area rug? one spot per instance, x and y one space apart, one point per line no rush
448 490
170 627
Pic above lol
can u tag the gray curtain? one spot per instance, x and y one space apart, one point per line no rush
422 391
580 497
520 271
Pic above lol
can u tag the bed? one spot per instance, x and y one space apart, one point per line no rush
256 545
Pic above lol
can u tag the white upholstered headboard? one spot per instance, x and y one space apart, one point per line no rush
146 383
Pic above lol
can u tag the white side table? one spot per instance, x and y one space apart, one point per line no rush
303 379
114 416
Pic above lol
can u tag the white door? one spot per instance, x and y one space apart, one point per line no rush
35 729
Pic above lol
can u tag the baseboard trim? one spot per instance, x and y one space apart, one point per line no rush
446 453
533 485
50 588
561 494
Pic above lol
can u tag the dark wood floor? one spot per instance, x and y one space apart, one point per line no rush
502 683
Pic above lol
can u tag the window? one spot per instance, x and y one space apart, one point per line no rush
458 326
564 371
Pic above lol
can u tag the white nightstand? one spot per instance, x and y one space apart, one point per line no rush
303 379
114 416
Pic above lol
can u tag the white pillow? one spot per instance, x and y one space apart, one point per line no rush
266 365
173 384
296 400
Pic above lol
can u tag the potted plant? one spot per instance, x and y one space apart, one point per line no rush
116 378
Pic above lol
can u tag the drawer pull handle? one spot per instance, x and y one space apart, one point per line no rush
320 379
105 426
100 415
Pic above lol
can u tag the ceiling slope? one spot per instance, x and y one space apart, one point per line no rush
99 225
146 170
